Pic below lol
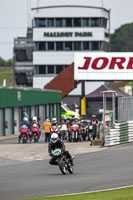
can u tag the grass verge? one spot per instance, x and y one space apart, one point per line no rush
6 73
117 194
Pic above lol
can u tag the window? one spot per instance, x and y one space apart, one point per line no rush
86 22
77 46
51 46
42 69
59 22
68 22
50 22
95 46
41 22
86 45
59 46
68 46
77 22
50 69
21 55
59 68
95 22
42 46
104 22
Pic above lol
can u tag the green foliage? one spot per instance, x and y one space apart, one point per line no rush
9 63
4 63
122 39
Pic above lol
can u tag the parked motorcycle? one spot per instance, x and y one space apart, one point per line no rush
75 136
90 133
35 135
83 130
63 133
54 129
24 134
63 162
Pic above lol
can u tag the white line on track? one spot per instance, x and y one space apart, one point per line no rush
117 188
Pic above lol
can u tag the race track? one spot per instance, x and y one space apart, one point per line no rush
109 168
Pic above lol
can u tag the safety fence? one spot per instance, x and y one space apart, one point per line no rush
121 133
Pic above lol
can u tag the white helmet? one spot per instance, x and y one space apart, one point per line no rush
34 125
25 119
54 119
54 137
34 118
23 126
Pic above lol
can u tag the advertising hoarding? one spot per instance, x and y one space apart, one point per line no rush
103 66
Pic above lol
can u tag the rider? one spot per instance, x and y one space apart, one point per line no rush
54 122
94 123
35 128
56 143
25 124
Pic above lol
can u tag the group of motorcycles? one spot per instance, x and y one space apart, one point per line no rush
32 134
77 131
73 132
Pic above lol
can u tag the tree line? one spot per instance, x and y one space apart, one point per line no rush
6 63
122 39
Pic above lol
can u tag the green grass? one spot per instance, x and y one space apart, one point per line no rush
119 194
6 73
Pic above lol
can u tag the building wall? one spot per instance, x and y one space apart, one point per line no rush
42 36
14 102
69 11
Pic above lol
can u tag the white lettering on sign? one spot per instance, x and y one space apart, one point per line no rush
103 66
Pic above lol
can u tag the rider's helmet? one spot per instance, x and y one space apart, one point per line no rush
34 118
54 137
34 125
23 126
25 119
54 120
76 119
93 116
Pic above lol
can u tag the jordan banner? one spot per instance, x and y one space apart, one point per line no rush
102 66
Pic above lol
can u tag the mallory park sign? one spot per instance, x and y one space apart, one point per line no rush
103 66
67 34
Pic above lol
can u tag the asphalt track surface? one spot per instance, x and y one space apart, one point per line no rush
112 167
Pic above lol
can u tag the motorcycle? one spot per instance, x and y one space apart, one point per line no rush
75 133
63 134
90 133
63 162
84 131
35 134
54 129
23 134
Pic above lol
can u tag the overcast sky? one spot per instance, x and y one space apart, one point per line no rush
14 17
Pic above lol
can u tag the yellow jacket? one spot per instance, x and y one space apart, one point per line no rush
47 126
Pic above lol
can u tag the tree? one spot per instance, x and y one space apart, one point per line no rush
9 63
2 62
122 39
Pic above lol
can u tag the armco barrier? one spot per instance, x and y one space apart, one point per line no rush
120 134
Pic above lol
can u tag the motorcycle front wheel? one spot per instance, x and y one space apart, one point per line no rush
62 166
70 168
